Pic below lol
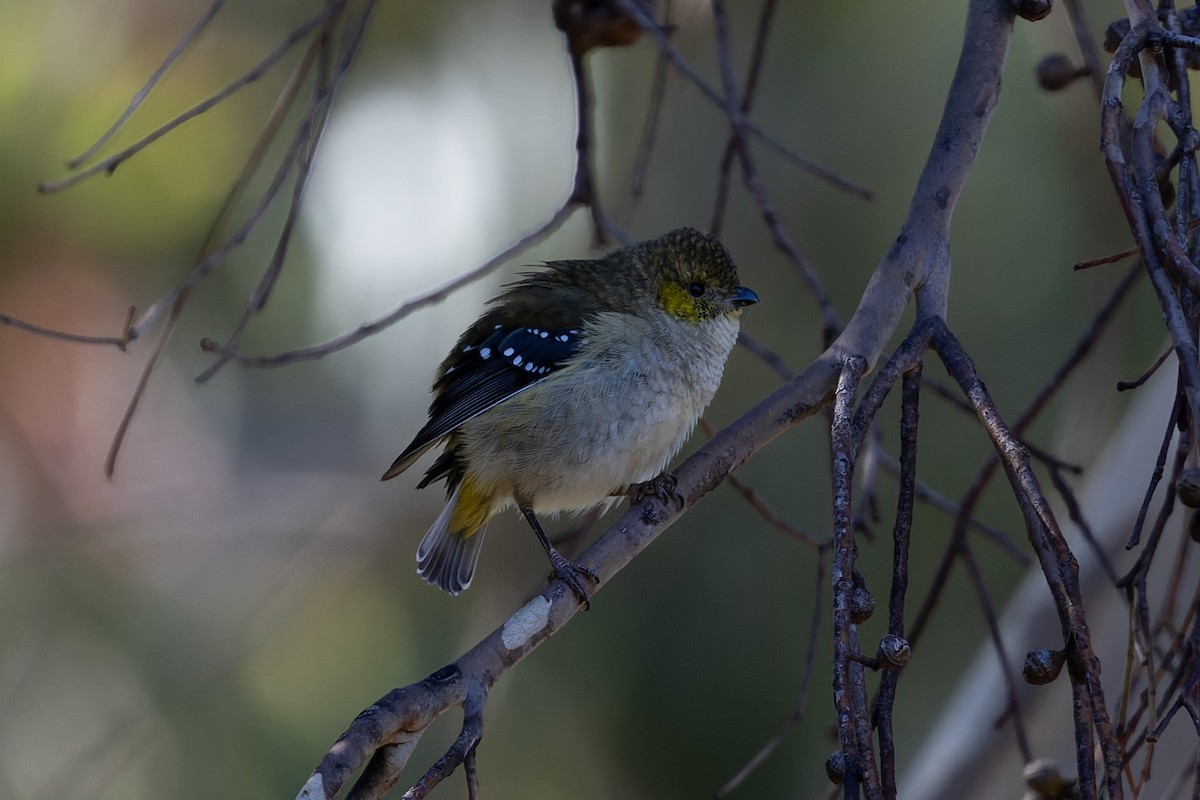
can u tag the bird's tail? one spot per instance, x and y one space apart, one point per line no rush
447 558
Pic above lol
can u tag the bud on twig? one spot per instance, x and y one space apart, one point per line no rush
594 23
1042 665
1031 10
1046 782
862 604
894 651
1188 487
835 767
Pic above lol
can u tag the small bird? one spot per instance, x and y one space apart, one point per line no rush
579 382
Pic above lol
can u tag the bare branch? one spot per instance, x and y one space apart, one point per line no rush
901 536
118 342
650 128
435 295
993 626
1057 562
680 63
139 389
857 753
109 165
308 139
136 102
737 146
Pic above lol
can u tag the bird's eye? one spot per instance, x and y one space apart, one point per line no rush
696 288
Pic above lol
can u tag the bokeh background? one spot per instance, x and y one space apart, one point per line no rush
206 622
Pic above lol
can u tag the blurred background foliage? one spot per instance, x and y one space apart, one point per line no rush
209 620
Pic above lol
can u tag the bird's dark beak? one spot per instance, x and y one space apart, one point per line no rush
743 297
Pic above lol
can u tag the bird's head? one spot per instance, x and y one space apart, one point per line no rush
685 273
692 277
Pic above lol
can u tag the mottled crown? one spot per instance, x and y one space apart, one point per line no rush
684 252
685 272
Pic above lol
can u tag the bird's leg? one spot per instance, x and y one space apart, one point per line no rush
567 571
570 539
663 486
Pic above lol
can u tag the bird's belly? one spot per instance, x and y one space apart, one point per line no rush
605 459
574 454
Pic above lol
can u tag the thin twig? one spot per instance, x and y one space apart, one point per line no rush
948 507
1156 474
658 91
1124 386
1075 513
766 355
136 101
583 190
681 64
831 325
139 389
771 516
901 536
993 625
983 477
109 165
300 152
1086 42
1054 555
435 295
118 342
737 123
858 756
1109 259
309 136
757 502
735 110
757 56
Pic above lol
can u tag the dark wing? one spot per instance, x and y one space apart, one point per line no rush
508 360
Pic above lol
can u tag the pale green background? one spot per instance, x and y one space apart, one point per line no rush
206 623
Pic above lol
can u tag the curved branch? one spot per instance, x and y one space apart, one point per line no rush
919 261
1056 559
435 295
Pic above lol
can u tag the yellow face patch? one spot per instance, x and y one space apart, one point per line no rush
677 302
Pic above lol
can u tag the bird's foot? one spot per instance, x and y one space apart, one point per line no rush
572 574
664 487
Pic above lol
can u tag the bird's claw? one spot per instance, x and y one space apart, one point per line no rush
664 487
572 574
